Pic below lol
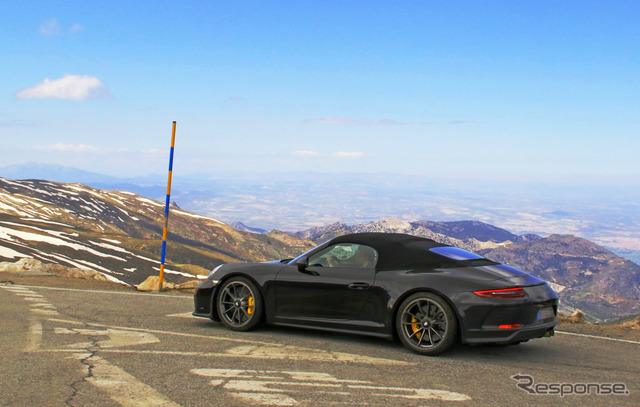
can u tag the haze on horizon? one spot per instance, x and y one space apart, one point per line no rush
538 91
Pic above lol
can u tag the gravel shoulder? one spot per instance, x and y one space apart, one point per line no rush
53 280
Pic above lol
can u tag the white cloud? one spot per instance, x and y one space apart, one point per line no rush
50 28
69 87
76 28
306 153
86 149
348 154
75 148
359 122
337 154
465 122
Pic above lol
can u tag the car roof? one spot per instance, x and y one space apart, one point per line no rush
380 238
396 250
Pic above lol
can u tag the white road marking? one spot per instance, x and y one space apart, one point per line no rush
122 387
45 311
35 335
266 399
117 338
34 299
119 385
66 321
128 391
300 353
286 388
141 293
257 350
598 337
16 288
42 305
182 315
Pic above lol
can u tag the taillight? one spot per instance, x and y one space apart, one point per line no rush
516 292
508 326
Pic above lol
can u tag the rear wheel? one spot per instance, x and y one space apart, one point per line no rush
239 304
426 324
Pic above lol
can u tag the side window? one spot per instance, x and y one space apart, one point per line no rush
345 255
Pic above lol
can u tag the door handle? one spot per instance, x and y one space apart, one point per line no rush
359 286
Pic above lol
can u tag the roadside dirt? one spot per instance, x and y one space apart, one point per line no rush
52 280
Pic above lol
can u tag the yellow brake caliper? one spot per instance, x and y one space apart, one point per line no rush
415 327
251 305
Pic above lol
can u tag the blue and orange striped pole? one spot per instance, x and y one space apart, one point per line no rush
166 209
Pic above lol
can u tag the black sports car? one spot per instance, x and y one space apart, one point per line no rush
384 284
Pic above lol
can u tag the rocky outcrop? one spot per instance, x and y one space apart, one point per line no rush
152 283
29 265
577 317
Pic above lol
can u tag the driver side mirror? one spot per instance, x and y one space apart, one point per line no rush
302 264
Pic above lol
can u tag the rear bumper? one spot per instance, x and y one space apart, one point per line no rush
509 320
506 336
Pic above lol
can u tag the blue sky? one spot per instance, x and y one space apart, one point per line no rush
500 90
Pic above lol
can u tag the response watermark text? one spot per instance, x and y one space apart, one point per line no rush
527 383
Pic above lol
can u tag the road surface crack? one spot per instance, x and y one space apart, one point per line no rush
85 358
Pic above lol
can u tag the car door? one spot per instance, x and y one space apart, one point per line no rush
334 285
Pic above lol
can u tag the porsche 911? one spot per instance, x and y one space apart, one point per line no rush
426 294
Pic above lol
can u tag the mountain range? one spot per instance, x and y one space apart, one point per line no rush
118 234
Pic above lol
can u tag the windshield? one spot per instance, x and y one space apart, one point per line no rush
307 253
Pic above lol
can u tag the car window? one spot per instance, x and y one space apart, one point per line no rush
455 253
345 255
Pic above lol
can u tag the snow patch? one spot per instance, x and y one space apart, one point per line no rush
8 209
195 216
10 253
77 188
50 222
110 247
7 234
175 272
150 202
111 240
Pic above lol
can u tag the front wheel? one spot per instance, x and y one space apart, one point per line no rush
426 324
239 304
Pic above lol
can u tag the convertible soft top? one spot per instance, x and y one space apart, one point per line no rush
396 251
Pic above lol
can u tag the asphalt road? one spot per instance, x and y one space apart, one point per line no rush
82 347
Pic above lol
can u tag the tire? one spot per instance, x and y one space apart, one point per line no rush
426 324
239 304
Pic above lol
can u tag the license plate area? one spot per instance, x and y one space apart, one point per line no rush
545 313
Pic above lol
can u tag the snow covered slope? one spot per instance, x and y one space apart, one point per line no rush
119 233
